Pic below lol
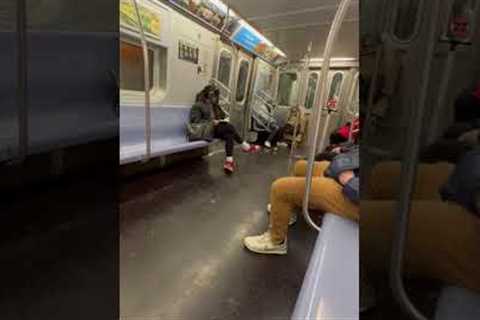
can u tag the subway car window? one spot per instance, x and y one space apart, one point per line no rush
288 88
132 68
311 90
335 88
224 68
264 81
242 80
407 19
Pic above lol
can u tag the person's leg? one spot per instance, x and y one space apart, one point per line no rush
276 137
224 133
228 127
262 136
229 145
384 180
300 169
443 241
287 193
271 140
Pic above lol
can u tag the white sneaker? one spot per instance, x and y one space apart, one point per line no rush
263 244
293 217
268 144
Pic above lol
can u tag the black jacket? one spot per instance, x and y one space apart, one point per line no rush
202 116
346 162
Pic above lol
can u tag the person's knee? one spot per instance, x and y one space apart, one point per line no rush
227 136
300 168
279 187
230 128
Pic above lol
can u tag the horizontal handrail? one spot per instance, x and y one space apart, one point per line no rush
220 84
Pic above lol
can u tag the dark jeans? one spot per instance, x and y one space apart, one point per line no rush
336 138
274 137
226 132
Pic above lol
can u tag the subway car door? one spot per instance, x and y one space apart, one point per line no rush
224 75
350 104
262 88
337 80
238 113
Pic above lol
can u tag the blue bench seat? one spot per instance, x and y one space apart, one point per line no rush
168 132
458 304
71 93
330 288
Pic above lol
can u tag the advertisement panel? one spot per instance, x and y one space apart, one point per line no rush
150 20
251 41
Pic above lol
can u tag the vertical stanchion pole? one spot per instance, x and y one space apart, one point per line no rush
332 36
408 177
146 67
22 81
299 102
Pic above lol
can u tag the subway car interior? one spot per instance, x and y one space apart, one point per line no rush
225 112
188 203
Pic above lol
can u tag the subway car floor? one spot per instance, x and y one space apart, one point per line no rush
181 251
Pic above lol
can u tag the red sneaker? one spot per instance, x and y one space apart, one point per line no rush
229 167
253 149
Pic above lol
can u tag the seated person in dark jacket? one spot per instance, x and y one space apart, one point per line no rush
462 135
333 150
335 189
208 113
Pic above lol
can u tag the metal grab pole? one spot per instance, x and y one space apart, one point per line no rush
294 141
22 79
146 65
408 177
299 95
325 128
442 92
337 23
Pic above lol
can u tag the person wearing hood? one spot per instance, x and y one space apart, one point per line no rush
209 121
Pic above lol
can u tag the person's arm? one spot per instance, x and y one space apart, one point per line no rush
352 189
345 177
201 113
195 114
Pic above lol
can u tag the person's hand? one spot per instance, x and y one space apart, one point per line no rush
345 177
337 150
471 137
216 122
